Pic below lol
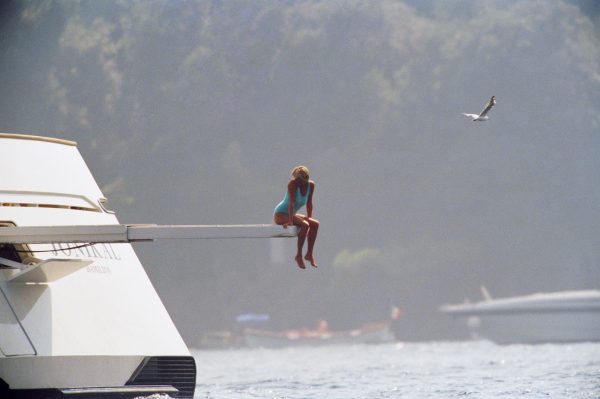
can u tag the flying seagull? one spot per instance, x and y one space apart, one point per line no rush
483 115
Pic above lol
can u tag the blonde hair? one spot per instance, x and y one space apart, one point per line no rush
299 171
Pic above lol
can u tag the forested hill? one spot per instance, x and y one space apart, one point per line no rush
196 111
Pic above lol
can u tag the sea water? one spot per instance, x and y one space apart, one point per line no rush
477 369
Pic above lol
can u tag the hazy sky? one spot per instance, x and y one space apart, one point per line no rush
196 111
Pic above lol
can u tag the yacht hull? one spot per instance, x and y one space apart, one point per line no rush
76 319
559 317
100 376
539 327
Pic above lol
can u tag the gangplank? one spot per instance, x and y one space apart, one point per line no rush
130 233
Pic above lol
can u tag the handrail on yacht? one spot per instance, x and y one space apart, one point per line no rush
42 199
19 136
123 233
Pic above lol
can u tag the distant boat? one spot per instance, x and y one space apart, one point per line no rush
558 317
372 333
223 339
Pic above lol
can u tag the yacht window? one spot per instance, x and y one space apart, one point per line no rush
15 252
8 251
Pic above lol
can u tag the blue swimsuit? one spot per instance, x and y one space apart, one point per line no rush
283 206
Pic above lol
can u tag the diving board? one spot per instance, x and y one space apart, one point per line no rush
125 233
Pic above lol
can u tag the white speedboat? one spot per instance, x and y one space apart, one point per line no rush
78 313
566 316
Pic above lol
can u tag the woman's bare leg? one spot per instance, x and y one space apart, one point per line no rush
313 229
302 232
298 220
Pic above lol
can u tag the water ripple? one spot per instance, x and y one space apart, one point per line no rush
408 370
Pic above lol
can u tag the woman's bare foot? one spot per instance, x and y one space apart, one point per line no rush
300 262
311 259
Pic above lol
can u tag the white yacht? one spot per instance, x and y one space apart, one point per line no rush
557 317
78 313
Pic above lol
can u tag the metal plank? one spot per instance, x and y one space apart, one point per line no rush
178 232
121 233
69 234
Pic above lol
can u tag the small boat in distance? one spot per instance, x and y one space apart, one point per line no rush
372 333
557 317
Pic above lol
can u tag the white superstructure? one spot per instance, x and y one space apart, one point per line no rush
566 316
76 319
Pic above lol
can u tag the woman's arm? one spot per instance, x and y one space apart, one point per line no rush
292 204
309 204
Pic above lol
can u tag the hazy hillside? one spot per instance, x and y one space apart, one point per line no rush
196 111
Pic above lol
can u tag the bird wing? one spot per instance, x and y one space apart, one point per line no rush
472 116
488 106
